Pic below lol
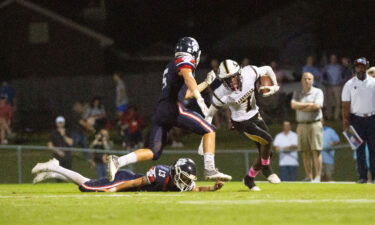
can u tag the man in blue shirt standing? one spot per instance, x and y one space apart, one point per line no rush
330 138
333 81
310 68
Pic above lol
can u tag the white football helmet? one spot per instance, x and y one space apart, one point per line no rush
227 70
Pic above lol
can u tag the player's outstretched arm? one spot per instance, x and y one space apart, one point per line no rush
268 71
139 182
193 89
218 185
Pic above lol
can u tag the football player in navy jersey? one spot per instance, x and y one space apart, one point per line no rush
178 84
180 176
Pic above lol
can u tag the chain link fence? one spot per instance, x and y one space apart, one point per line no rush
18 160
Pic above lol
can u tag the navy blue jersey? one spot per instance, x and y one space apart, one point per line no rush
158 177
173 88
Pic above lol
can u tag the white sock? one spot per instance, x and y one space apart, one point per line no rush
71 175
127 159
54 175
209 161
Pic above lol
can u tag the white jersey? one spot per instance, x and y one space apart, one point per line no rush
242 104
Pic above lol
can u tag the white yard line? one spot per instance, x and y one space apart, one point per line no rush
263 201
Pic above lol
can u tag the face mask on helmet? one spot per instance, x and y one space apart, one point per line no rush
230 75
234 82
184 174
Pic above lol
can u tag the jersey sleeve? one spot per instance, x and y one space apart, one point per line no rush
219 98
345 96
187 62
150 175
319 98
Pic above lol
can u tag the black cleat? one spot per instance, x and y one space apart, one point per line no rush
361 181
250 183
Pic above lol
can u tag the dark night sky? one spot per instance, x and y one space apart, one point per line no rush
345 26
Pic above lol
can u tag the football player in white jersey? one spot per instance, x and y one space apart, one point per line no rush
238 93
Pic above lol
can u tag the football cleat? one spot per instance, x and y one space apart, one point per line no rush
250 182
43 167
274 179
112 167
41 177
216 175
255 188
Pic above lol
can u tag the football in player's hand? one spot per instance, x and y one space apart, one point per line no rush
265 81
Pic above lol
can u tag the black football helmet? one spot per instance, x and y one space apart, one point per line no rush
184 173
362 61
188 45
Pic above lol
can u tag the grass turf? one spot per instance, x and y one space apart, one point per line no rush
286 203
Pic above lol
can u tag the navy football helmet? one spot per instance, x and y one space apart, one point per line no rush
184 173
188 45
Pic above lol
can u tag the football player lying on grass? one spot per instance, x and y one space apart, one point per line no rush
180 176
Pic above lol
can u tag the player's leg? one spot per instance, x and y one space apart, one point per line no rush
317 162
152 151
53 166
371 146
307 165
42 176
192 121
256 130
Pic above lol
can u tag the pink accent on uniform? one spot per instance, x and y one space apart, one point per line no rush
265 162
252 172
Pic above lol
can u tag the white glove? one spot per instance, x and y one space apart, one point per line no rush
273 89
211 76
203 106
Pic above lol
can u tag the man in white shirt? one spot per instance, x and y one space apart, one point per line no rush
308 104
286 144
358 110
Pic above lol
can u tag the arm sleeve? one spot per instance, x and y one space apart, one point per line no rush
335 137
276 141
185 62
218 97
294 98
295 139
345 95
267 71
319 99
150 175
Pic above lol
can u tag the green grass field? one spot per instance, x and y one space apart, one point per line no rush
286 203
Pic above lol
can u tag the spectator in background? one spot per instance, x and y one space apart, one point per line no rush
9 92
61 138
95 114
78 126
245 62
103 142
330 138
131 124
315 71
347 70
6 115
332 81
121 96
358 110
286 144
308 104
